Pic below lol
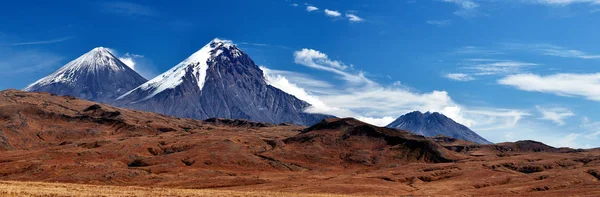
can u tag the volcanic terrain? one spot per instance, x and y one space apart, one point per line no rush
51 138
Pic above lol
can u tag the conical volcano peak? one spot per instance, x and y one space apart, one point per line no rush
97 75
434 123
99 52
99 58
101 49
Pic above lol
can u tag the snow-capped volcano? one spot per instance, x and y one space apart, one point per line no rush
219 80
97 75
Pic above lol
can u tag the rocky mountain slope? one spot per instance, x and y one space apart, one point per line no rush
219 80
97 76
433 124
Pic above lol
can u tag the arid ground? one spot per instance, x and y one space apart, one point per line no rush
47 138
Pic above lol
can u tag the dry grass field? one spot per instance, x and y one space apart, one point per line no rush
40 189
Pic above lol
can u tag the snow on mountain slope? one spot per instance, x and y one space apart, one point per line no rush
173 77
96 75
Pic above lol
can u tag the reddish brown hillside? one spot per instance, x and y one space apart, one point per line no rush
54 138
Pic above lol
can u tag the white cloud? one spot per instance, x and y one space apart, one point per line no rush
332 13
138 63
354 18
129 59
553 50
308 57
295 4
467 7
440 23
336 14
459 77
562 84
477 51
281 82
360 97
27 61
311 8
315 59
382 122
557 114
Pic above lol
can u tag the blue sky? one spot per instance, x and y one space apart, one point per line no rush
511 70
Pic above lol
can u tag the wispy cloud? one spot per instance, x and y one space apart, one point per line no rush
475 50
467 8
471 8
592 128
128 8
40 42
464 4
562 84
264 45
556 114
459 77
553 50
563 2
485 67
254 44
440 23
332 13
498 68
